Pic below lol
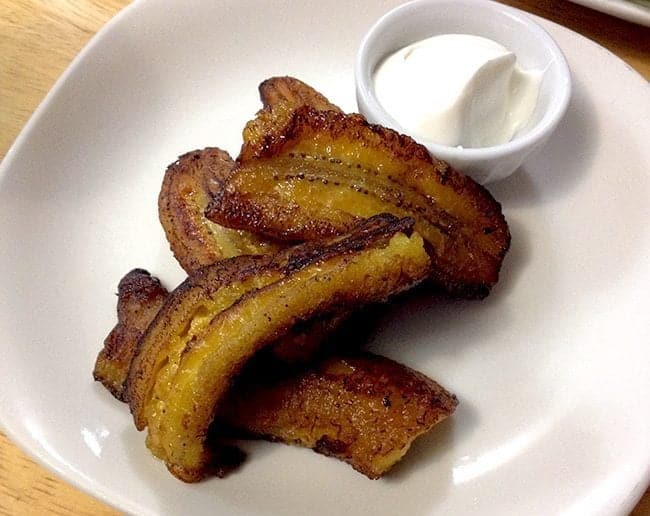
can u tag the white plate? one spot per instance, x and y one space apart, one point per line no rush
551 369
624 9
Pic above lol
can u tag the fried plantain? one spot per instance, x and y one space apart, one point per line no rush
188 185
139 297
293 93
360 408
216 320
363 409
305 174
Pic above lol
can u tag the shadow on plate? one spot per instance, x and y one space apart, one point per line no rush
428 449
562 164
420 325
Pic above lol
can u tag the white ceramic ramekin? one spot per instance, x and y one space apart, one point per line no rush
515 30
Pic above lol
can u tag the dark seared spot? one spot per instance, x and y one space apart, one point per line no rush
328 446
444 175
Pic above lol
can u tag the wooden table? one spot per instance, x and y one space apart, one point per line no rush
39 38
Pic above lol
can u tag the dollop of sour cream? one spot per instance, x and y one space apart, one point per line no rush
457 90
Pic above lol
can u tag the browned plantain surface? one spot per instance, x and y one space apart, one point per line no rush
139 297
281 96
188 185
360 408
305 174
294 93
216 320
363 409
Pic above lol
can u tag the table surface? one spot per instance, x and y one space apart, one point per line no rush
47 34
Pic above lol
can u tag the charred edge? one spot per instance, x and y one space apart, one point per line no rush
340 124
141 285
330 447
438 280
202 171
295 92
368 233
372 232
211 154
208 168
138 291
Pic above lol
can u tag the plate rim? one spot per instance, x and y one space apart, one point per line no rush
621 9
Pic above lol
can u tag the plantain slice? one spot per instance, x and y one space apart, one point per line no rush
293 93
187 187
215 321
363 409
139 297
360 408
305 174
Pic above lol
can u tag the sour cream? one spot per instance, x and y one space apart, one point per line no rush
457 90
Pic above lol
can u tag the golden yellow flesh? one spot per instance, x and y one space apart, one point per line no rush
176 324
342 194
169 361
381 169
179 421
